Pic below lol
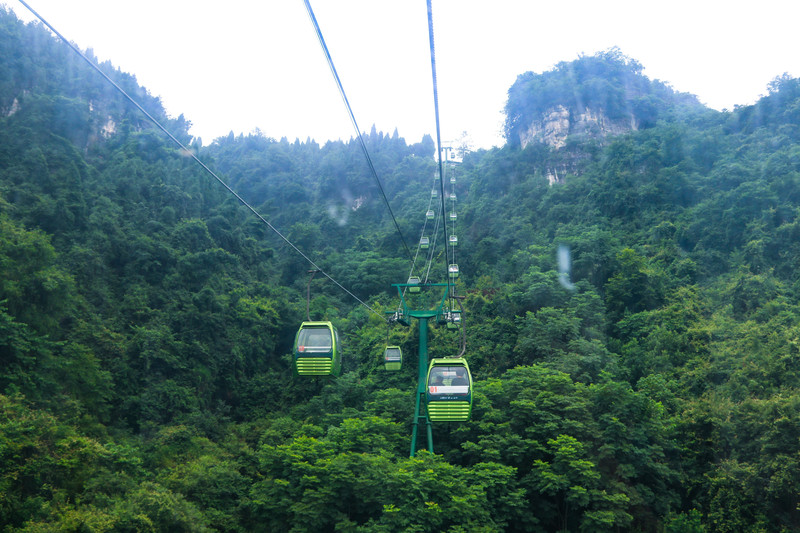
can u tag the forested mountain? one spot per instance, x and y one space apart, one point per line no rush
146 318
594 95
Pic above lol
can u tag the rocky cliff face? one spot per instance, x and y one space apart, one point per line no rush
558 122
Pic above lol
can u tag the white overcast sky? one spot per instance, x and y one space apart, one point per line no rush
238 65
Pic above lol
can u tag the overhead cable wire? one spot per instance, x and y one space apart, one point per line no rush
453 198
353 120
416 252
453 249
433 247
188 152
435 233
431 244
419 244
438 133
463 327
451 286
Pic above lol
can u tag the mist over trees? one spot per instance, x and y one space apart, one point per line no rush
146 319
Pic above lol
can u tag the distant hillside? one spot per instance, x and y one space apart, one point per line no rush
44 81
591 97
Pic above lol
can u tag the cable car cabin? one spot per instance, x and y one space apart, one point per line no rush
453 216
393 358
316 350
453 196
430 214
434 194
425 243
452 270
453 240
414 280
453 179
449 394
454 319
451 319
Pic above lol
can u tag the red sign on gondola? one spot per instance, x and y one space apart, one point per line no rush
301 348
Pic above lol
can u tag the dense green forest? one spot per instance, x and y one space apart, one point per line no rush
147 319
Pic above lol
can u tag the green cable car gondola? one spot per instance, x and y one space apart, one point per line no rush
414 281
430 214
452 270
453 240
425 243
316 350
449 393
453 319
434 194
453 216
393 358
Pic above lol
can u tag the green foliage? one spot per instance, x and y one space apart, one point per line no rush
35 289
541 422
307 485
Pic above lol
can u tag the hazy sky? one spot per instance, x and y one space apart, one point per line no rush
239 65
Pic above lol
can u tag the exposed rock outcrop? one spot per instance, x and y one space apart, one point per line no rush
558 123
